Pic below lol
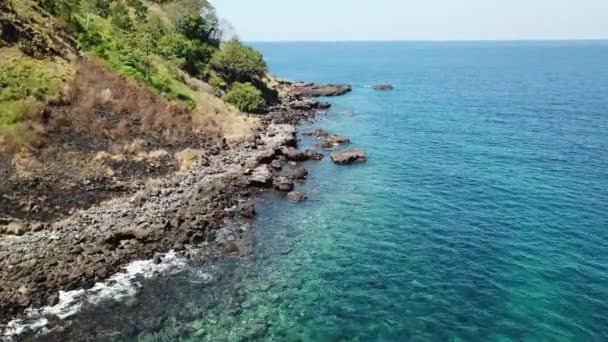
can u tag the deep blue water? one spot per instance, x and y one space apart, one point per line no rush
480 216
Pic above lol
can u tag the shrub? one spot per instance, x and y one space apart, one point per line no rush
245 97
120 17
191 56
217 82
195 27
237 62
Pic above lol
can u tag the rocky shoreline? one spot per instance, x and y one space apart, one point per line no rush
182 209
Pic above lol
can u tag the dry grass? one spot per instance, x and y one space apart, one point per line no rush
189 158
96 89
212 113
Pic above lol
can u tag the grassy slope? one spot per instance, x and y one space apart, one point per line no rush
30 83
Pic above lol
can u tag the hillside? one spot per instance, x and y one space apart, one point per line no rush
99 95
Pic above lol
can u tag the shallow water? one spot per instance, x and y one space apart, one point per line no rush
480 216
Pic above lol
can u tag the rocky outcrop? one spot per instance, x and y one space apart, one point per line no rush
317 90
314 155
296 196
309 104
283 183
37 260
332 141
178 210
299 174
348 157
261 176
383 87
293 154
329 140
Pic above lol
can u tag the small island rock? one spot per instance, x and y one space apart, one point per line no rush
383 87
284 184
348 157
296 196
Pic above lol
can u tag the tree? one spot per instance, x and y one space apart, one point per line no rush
120 17
195 27
237 62
148 34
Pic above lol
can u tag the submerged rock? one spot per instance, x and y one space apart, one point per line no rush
309 104
293 154
231 248
277 164
246 209
314 155
383 87
317 90
332 141
283 184
296 196
348 157
299 174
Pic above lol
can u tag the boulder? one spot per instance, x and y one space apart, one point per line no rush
299 173
348 157
332 141
296 196
314 155
277 164
323 105
317 90
319 133
246 209
293 154
383 87
231 248
283 184
261 176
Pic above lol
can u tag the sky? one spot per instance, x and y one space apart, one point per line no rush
331 20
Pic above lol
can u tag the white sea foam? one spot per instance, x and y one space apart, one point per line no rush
120 286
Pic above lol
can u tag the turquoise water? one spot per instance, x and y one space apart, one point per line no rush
480 216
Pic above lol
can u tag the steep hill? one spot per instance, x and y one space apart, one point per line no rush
97 96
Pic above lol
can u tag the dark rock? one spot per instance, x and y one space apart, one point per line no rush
231 248
293 154
211 236
53 299
246 209
317 90
323 105
261 176
314 155
102 273
283 184
319 133
299 173
383 87
277 164
332 141
157 259
296 196
348 157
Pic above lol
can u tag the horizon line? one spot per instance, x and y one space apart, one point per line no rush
431 40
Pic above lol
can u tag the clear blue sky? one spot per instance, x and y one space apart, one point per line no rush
261 20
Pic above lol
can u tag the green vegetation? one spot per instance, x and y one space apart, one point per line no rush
26 85
164 44
236 62
245 97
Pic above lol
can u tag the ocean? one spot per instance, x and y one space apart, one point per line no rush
481 214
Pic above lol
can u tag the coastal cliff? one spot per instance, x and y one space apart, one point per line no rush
113 152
